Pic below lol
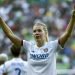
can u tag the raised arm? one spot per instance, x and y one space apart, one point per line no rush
8 32
62 40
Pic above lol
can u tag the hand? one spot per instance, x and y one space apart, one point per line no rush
0 18
1 21
73 12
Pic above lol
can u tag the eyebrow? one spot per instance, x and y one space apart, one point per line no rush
37 30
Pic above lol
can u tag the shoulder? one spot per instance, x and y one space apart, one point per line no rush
24 62
8 63
53 42
28 43
1 67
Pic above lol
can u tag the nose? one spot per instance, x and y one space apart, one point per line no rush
36 33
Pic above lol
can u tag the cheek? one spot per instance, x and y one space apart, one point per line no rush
43 35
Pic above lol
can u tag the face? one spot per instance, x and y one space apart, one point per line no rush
39 33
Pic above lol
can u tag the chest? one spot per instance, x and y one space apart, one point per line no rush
40 55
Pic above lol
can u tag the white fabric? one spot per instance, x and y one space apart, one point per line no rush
1 70
41 60
16 66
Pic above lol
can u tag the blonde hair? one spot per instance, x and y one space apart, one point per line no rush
3 57
44 28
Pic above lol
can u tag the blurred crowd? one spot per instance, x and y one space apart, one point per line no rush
21 15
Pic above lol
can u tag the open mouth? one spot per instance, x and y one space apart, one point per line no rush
37 36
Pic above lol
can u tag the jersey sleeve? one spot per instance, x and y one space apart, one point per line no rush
58 45
2 69
55 45
26 44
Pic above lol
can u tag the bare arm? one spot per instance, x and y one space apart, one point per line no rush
62 40
17 41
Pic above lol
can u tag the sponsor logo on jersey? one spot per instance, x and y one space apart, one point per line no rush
33 51
39 56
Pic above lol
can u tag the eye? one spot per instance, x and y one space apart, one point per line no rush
34 31
38 30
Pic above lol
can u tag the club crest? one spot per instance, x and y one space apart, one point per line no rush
46 50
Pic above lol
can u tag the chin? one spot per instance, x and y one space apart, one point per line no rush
38 39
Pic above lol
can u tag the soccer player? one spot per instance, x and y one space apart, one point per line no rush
41 54
15 66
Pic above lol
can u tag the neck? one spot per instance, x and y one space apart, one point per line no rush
40 43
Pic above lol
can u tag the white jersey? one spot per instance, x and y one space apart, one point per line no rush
16 66
1 70
41 60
